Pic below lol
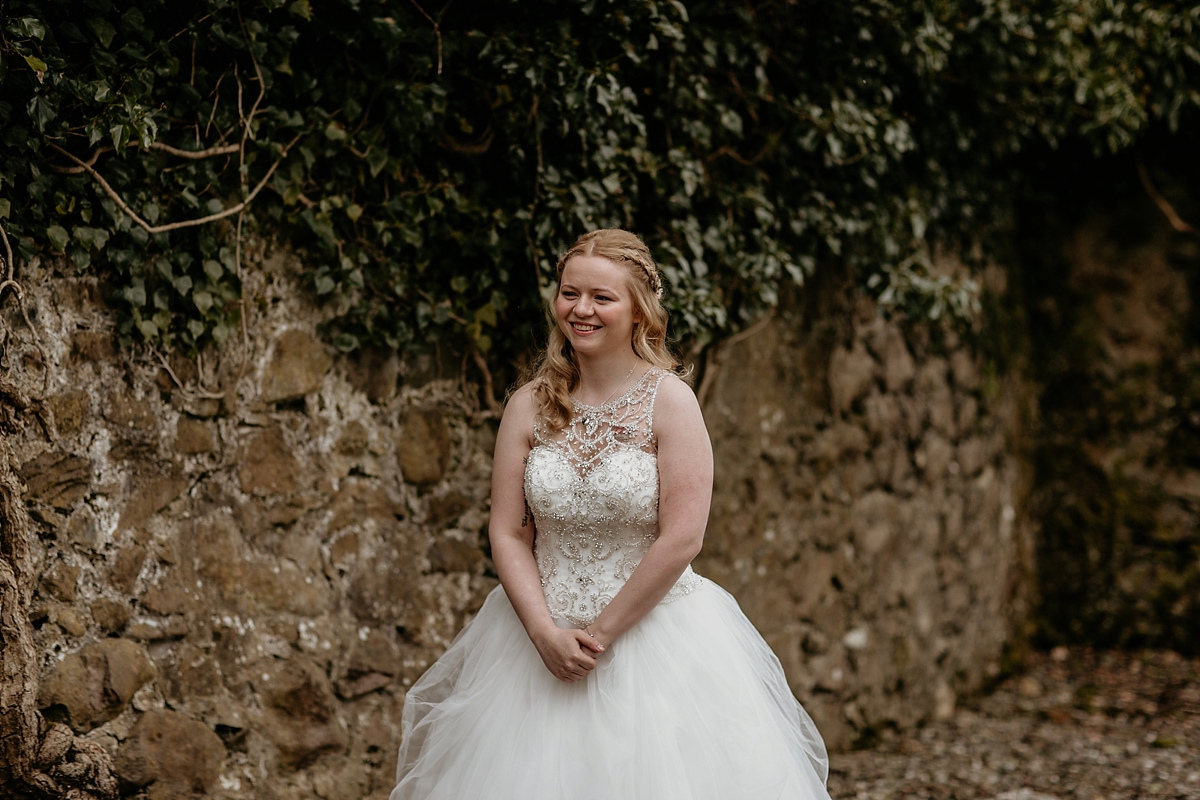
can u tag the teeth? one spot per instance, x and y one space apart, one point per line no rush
579 327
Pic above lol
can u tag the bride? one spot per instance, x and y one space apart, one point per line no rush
603 666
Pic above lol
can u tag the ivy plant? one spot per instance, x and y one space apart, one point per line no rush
430 160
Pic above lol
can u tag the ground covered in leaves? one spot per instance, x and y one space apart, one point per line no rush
1077 724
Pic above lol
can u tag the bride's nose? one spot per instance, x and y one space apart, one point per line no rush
583 306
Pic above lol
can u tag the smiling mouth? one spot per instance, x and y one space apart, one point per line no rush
582 328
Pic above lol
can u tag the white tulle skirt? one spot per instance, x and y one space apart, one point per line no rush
691 704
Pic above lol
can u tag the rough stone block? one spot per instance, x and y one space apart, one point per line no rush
157 630
877 518
110 615
83 530
126 567
57 479
300 712
354 439
269 467
971 457
898 366
372 665
455 555
94 684
297 366
384 589
126 411
357 500
374 372
148 499
192 436
424 446
60 582
178 755
966 374
167 597
91 347
851 373
70 409
934 456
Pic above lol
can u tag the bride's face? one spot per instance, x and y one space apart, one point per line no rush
594 306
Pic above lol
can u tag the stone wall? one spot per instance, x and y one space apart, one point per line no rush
868 513
241 577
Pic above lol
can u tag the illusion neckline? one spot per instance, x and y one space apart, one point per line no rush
617 401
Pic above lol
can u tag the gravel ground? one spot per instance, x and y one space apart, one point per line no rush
1077 724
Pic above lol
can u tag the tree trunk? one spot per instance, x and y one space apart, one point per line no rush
37 760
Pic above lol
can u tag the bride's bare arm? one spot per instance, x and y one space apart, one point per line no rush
565 652
685 474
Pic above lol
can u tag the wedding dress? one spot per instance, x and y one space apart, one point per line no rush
690 704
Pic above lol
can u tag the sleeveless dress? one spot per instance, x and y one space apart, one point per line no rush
689 704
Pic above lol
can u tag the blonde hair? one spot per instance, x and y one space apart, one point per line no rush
557 374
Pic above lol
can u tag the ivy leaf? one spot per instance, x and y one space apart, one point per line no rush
103 30
148 329
196 328
5 209
37 65
213 270
346 342
136 295
120 136
220 332
203 300
94 238
28 26
377 160
325 284
58 237
183 285
301 8
41 111
335 131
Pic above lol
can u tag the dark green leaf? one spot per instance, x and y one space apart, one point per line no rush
103 29
58 237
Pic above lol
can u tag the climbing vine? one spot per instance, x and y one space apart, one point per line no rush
430 159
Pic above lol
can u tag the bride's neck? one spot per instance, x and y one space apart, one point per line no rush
601 379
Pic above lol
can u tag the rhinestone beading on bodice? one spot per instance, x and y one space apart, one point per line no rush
593 491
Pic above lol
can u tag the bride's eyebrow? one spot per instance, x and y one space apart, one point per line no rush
594 289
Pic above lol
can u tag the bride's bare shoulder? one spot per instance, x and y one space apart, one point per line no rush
675 402
519 413
674 389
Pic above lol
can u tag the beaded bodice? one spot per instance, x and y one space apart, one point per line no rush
593 491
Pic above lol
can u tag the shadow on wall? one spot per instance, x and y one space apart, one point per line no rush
1115 336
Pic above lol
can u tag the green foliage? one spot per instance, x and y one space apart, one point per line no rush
431 174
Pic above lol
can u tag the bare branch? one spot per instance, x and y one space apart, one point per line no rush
77 170
1164 206
437 28
190 393
8 256
194 155
190 223
489 389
